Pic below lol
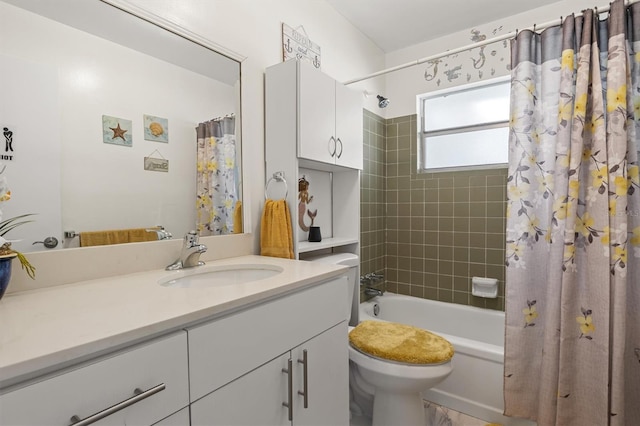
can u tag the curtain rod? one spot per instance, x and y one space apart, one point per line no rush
472 46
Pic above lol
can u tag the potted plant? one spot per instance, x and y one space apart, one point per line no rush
7 254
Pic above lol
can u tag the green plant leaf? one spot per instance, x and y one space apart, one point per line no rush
9 224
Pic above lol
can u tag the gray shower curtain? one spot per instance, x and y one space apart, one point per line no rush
217 177
572 350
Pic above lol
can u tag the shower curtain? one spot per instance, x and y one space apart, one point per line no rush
217 177
572 350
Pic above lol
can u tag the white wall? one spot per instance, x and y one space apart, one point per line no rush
93 77
253 29
403 86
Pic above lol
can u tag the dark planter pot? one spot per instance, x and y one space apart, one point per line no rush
5 272
314 234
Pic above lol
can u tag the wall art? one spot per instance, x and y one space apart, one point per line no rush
296 44
156 129
116 131
154 164
6 154
304 199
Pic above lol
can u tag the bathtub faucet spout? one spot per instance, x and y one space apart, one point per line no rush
369 280
370 291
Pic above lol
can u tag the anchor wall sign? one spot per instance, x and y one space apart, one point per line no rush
296 44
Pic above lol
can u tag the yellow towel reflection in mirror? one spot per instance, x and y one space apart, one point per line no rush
117 236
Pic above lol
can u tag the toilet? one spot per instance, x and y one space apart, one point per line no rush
386 390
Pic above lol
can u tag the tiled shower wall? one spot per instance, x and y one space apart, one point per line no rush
372 196
437 229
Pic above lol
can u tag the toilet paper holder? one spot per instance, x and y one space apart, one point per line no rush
484 287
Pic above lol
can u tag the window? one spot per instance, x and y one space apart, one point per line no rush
465 128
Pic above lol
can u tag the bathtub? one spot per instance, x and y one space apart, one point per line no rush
475 385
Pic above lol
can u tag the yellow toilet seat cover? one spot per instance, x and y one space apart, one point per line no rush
400 342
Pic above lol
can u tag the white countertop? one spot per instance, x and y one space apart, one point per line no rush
50 327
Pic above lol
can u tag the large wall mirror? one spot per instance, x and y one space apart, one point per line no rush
113 126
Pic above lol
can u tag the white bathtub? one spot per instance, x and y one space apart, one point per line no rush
475 385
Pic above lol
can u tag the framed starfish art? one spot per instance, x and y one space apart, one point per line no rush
116 131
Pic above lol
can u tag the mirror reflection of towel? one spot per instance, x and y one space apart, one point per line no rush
237 218
116 236
276 235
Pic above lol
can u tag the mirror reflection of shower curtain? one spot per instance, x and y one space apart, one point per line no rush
217 178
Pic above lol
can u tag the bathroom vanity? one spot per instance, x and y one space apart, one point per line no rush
142 351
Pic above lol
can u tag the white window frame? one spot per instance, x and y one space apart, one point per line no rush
423 135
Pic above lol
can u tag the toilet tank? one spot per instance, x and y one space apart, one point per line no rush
353 262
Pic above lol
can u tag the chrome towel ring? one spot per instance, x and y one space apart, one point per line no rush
276 177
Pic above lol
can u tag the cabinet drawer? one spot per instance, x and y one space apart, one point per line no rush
229 347
100 384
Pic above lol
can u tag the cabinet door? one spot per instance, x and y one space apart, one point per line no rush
253 399
316 115
90 389
181 418
349 132
327 379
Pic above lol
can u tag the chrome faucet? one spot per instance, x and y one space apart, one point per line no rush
374 277
370 291
190 254
367 280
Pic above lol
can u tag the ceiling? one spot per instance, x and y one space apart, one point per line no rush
395 24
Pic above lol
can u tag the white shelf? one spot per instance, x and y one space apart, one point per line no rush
306 246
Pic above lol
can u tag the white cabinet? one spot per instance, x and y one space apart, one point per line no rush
326 403
253 399
181 418
329 117
317 391
349 127
158 369
313 122
236 363
227 370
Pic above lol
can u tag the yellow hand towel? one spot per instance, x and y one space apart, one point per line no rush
237 218
276 238
116 236
103 238
137 235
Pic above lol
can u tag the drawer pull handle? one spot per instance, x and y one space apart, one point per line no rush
138 396
338 140
335 146
305 391
289 403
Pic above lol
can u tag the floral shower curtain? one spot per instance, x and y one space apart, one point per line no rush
572 350
217 177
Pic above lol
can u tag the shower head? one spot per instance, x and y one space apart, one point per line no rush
382 101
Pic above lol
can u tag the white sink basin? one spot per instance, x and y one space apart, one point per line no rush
219 276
